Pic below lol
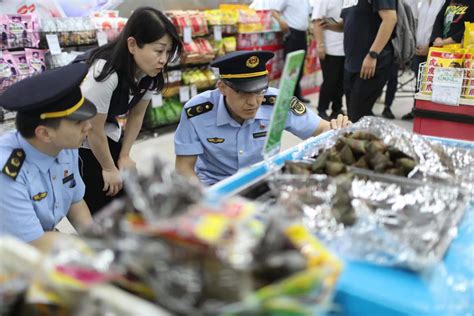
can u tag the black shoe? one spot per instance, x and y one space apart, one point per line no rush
304 100
387 113
324 116
408 116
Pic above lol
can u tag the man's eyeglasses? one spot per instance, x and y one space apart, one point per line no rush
260 93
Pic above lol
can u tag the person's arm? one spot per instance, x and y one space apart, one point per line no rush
97 139
185 166
437 32
46 242
440 42
384 34
79 215
324 126
134 124
283 25
335 27
319 37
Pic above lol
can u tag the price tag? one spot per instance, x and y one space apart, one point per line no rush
194 90
101 38
218 33
53 44
187 34
184 94
447 86
156 100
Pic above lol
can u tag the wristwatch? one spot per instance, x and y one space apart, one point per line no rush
374 55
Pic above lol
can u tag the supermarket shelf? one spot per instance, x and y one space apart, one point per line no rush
260 32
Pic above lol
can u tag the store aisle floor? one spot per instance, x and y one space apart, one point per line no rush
162 145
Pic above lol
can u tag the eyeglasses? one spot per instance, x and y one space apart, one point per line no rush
260 93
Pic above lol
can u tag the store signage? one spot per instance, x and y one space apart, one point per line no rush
194 91
156 100
184 94
53 44
101 38
187 34
447 86
217 32
288 81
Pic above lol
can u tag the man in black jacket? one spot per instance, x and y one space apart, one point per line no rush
368 27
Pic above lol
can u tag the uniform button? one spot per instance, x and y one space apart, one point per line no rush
56 205
241 152
54 177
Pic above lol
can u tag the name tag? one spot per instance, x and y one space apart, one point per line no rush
259 135
68 178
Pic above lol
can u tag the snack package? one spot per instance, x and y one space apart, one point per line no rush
7 69
3 32
36 59
468 34
20 63
468 92
439 57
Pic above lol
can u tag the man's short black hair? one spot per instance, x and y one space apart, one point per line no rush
26 124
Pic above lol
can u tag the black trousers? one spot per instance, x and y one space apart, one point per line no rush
91 172
332 88
296 40
392 85
361 94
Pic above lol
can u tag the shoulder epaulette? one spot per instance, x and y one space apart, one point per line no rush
13 165
269 100
199 109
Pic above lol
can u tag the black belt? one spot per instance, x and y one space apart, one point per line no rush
297 32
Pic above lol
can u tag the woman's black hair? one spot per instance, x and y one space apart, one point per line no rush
145 25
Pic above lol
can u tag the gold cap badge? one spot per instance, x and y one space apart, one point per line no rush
253 62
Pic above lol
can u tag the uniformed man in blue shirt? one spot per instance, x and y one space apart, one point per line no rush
224 130
39 175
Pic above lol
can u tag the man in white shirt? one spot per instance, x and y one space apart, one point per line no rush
331 56
427 13
293 17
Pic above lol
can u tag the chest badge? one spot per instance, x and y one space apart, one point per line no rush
259 135
39 196
216 140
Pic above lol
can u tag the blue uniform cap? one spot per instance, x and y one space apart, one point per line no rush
244 70
54 93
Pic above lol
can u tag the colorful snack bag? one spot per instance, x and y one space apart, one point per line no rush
5 68
468 34
468 92
20 63
3 32
36 60
439 57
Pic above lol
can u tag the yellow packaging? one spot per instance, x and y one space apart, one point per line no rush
468 91
452 47
468 34
439 57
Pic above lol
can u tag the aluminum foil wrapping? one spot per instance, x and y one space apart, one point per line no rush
382 219
436 162
162 193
